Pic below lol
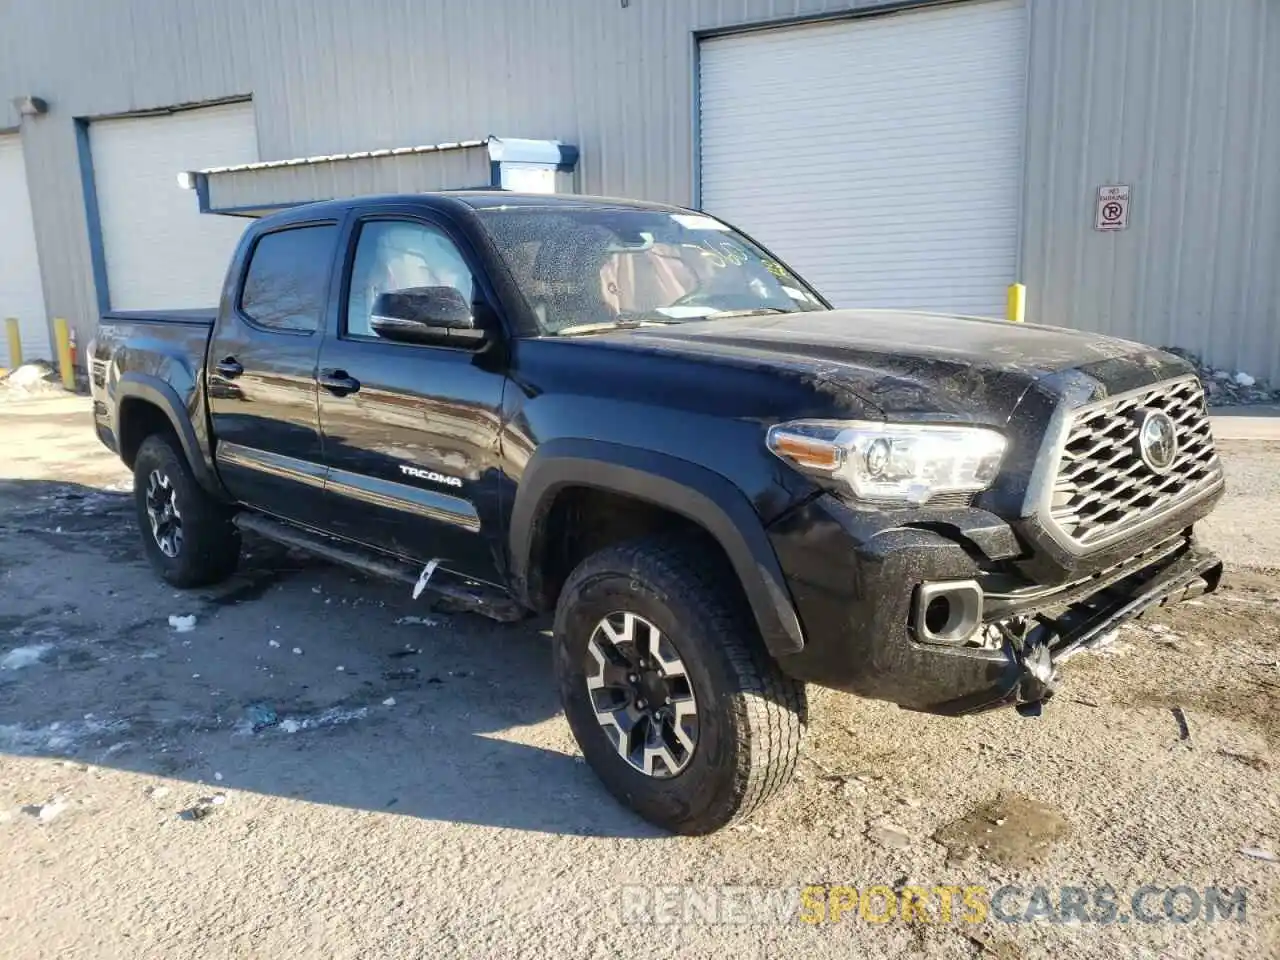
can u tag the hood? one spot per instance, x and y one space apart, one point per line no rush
912 364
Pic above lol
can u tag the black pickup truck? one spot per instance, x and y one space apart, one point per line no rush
637 417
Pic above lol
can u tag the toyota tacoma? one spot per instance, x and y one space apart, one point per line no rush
636 417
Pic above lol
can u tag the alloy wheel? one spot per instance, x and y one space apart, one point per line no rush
641 694
162 511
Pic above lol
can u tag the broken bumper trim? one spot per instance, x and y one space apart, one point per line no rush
1088 623
1195 572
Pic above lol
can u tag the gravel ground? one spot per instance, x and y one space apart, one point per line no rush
411 790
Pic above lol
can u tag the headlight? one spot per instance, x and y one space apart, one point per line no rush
892 463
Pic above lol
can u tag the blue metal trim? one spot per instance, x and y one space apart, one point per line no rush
202 192
568 158
93 220
257 209
171 109
854 13
696 115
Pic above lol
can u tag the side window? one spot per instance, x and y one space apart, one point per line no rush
284 288
395 255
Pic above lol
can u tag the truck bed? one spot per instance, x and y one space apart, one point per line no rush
157 356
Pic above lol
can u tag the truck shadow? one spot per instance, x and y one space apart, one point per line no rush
389 706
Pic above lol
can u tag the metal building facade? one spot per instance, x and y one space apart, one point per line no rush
1176 98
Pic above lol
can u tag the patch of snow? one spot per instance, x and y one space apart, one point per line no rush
298 651
273 643
182 624
1244 379
389 702
46 812
37 376
20 657
424 621
54 738
331 717
1259 853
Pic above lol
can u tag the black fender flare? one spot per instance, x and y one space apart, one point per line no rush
153 390
701 495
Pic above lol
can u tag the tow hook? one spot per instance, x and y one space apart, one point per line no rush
1039 680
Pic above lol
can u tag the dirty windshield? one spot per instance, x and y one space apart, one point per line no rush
595 269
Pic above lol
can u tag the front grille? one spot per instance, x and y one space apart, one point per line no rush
1104 486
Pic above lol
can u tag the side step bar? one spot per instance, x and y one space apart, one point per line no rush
467 595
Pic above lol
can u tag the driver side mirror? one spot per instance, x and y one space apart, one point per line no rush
440 316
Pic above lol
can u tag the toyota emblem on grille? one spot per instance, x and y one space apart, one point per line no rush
1157 440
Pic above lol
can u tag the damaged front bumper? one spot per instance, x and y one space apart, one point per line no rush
856 580
1088 622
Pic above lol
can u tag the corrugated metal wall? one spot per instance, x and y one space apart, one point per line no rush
1168 95
1181 100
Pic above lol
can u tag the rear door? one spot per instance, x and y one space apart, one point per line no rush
411 430
262 372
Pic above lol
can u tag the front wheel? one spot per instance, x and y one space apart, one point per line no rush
187 534
668 689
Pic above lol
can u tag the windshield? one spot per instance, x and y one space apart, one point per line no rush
591 269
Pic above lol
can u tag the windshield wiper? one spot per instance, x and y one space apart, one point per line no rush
609 325
629 324
751 312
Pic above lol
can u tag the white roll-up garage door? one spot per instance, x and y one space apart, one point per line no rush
881 157
21 295
160 250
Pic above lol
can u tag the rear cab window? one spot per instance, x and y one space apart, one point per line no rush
287 278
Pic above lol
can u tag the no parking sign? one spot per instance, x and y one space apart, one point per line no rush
1113 208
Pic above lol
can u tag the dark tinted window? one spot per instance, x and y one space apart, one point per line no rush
288 273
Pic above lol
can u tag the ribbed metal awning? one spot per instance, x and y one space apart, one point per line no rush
254 189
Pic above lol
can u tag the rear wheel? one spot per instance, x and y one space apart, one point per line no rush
187 534
668 689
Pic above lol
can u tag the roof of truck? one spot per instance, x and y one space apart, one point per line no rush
452 199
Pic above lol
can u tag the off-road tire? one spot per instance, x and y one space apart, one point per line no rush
210 544
751 716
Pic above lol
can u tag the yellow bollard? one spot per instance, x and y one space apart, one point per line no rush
1016 308
62 333
15 343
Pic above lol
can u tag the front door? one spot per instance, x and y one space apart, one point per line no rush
261 376
411 430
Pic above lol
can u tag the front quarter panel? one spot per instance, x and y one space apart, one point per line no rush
712 414
685 435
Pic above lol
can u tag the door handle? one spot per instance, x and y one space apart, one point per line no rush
229 367
338 382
